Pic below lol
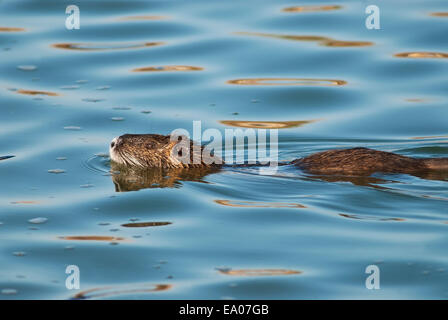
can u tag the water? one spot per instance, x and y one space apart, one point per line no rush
153 66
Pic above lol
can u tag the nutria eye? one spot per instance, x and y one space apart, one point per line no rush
112 144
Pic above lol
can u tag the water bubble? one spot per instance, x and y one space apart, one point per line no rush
102 155
27 68
92 100
103 88
117 118
38 220
74 128
56 171
72 87
9 291
61 158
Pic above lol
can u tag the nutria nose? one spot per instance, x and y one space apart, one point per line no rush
114 142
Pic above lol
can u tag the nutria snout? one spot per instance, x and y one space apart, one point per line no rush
159 151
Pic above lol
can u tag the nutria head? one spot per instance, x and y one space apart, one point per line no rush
156 151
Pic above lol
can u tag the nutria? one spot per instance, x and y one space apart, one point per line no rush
158 151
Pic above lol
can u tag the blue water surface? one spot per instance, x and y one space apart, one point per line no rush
237 233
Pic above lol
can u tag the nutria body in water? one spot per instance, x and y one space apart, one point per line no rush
362 161
158 151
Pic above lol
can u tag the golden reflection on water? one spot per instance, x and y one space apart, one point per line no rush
258 272
167 68
312 8
142 18
8 29
266 124
145 224
92 238
286 37
340 43
288 82
104 46
416 100
325 41
439 14
24 202
421 55
116 291
36 92
429 137
258 204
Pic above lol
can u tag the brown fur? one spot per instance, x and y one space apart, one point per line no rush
153 151
360 161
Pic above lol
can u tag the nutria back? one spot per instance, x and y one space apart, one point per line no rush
358 161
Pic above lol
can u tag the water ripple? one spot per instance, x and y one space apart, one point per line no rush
421 55
104 46
167 68
266 124
288 82
312 8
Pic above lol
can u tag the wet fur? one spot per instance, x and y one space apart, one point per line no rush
152 151
363 161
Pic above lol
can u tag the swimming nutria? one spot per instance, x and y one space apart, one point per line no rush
158 151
